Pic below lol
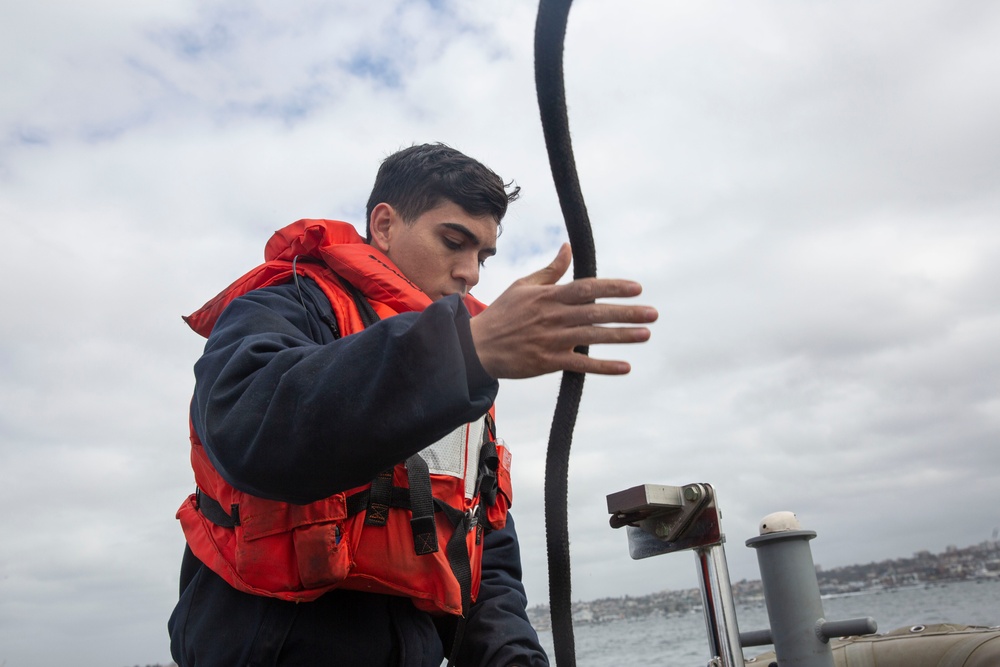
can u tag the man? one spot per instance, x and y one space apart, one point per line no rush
352 496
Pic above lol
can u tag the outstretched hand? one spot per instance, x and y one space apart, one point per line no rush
532 328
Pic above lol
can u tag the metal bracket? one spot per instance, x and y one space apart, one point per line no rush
665 519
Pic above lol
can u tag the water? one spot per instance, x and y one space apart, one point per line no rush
679 641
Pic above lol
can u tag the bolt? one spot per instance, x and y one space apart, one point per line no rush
691 493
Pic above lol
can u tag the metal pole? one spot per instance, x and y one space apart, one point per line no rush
720 610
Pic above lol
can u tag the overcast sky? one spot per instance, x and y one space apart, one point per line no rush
809 193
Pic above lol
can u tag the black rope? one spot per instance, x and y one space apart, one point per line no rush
550 34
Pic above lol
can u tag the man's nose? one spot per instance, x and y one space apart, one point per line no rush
468 270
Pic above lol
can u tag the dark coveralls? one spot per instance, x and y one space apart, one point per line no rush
279 404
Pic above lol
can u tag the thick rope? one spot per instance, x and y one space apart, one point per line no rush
550 34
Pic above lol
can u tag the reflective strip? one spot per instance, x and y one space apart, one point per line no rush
457 453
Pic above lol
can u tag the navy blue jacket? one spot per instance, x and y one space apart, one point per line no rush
280 405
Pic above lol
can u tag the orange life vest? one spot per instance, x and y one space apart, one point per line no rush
414 531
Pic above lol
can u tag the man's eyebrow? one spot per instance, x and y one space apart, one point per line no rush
469 234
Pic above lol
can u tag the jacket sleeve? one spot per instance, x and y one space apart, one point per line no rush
287 412
498 633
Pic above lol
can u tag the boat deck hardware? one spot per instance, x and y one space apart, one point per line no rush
665 519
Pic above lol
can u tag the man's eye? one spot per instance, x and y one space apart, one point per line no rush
450 244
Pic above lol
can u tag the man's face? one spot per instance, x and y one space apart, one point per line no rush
441 251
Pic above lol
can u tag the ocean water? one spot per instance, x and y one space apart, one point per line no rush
680 641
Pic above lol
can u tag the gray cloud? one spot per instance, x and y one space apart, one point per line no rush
808 194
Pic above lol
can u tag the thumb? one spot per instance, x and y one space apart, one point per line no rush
554 271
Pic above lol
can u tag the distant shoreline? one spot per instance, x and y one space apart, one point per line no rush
980 562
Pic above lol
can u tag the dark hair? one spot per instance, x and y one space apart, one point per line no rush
416 179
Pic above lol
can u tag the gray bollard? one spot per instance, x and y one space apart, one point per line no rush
791 592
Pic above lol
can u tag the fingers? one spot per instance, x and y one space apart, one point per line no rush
534 327
581 363
586 290
551 274
571 315
592 335
557 348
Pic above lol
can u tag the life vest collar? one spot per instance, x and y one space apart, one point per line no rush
338 246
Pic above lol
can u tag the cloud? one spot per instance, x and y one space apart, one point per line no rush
808 195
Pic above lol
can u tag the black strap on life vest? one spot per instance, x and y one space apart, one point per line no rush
358 502
425 539
214 511
461 567
379 499
489 463
382 495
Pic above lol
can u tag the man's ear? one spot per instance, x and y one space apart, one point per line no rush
381 224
